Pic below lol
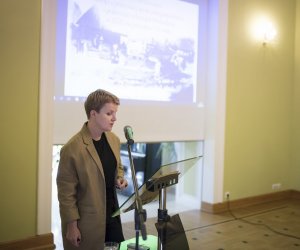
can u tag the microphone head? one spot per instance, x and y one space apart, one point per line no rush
128 134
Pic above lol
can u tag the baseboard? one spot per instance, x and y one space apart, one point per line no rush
249 201
295 194
38 242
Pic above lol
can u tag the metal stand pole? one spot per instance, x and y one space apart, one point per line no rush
140 215
162 215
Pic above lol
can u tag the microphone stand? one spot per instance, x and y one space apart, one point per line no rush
140 215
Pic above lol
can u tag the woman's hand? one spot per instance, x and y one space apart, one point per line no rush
73 234
121 183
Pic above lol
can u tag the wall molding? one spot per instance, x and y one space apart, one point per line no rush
45 143
249 201
38 242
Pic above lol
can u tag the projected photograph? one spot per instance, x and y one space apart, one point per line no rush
137 49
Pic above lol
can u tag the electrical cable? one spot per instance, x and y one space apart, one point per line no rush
248 222
258 224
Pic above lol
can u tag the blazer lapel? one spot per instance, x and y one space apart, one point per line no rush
113 146
88 141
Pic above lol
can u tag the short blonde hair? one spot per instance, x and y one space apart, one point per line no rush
97 99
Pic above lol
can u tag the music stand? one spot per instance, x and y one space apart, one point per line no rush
171 233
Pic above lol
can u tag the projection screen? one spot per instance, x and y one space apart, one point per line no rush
150 53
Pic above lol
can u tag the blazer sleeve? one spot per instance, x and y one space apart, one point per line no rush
115 144
120 169
67 181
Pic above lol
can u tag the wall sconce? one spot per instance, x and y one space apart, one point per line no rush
264 31
269 33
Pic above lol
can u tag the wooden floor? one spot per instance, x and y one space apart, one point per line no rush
273 225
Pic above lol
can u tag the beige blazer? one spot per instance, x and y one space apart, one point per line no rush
81 188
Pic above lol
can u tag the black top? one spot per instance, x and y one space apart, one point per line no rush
109 162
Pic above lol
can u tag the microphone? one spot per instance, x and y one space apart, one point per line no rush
128 135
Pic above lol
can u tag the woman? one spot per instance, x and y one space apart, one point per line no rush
88 173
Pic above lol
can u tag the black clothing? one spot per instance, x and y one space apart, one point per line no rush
109 162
